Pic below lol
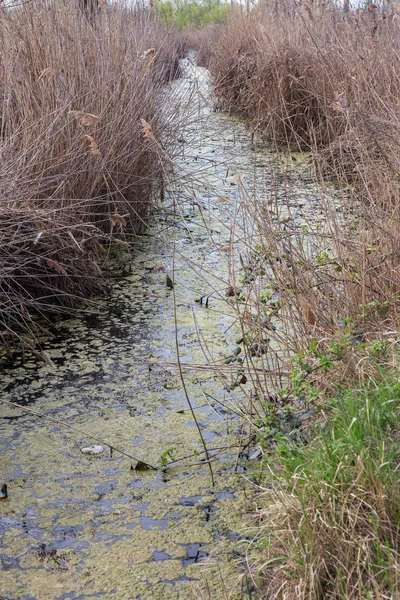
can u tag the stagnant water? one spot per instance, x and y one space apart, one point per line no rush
83 526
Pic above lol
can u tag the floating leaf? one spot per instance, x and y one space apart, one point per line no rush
92 450
142 466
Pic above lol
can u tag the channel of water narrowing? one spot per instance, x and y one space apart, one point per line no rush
79 526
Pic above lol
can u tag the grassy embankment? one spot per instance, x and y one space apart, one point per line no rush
328 83
330 527
81 156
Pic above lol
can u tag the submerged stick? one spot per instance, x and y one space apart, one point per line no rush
182 378
89 435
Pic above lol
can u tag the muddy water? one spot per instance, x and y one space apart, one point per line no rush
77 525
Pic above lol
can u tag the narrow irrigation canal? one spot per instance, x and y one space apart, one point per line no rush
80 525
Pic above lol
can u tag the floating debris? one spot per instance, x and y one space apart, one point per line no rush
142 466
92 450
159 269
231 291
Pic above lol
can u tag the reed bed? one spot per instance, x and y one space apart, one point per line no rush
328 83
82 160
325 82
323 293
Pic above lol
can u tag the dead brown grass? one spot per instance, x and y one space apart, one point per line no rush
298 77
326 82
77 171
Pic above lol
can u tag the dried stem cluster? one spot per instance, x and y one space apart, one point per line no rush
81 159
327 82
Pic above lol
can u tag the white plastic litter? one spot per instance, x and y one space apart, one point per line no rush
92 450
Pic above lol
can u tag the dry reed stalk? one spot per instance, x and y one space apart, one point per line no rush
326 82
76 171
329 83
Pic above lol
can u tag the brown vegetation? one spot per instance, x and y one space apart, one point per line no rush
328 82
80 145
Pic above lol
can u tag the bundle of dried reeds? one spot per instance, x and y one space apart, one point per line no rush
77 167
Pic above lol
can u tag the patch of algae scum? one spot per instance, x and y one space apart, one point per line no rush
79 526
